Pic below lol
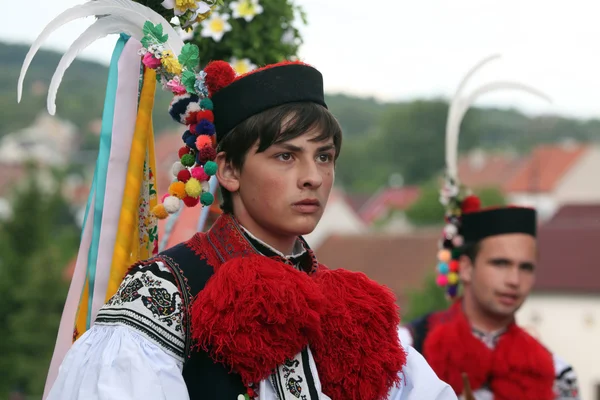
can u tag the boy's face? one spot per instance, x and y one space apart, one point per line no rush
282 192
503 273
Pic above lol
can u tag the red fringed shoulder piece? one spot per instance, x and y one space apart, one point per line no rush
255 313
523 368
451 349
359 356
519 367
218 75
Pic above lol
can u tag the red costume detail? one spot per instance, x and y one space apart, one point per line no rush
255 312
519 367
470 204
218 75
205 114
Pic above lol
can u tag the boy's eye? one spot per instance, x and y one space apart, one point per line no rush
284 156
325 157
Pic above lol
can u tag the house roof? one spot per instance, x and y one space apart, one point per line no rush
400 262
568 251
479 169
542 171
389 198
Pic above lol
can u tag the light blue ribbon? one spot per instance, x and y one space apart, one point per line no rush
102 167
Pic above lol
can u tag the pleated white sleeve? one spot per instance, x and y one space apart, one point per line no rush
115 362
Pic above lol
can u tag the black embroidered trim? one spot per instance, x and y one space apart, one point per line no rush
276 381
310 381
143 324
186 296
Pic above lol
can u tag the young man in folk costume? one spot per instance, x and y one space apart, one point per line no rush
245 310
477 335
493 253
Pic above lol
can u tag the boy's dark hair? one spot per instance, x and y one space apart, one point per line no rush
266 128
471 250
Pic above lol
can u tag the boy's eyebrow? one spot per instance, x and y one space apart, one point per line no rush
326 147
299 149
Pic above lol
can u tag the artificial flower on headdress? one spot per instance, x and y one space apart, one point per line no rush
170 63
181 6
242 66
246 9
216 26
176 86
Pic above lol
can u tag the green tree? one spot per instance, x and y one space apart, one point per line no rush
270 37
428 210
423 301
36 243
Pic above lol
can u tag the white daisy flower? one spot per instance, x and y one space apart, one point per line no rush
242 66
216 26
181 6
246 9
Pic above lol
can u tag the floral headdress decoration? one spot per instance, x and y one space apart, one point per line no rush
186 12
191 106
455 197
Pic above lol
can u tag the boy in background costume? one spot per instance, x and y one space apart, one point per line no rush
493 253
245 311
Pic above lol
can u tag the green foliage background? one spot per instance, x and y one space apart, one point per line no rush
259 40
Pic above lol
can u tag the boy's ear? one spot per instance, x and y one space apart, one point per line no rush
227 175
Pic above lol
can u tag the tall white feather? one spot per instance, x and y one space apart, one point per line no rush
133 12
103 27
462 106
451 123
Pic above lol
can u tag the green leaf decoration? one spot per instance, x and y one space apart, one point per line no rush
188 78
190 56
153 34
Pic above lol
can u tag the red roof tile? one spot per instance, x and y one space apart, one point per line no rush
544 169
400 262
487 170
391 198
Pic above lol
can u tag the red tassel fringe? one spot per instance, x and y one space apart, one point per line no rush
518 368
245 296
360 356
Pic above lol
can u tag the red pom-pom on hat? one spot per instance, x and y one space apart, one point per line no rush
470 204
218 75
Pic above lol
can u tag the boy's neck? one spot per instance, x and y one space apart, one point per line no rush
481 320
284 245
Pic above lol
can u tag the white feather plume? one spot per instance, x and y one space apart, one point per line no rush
451 133
460 105
128 10
103 27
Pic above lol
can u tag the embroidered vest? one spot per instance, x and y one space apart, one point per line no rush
194 262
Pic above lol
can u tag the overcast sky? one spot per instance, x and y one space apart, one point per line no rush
398 49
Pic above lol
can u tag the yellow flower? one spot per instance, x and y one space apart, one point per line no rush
202 17
170 63
184 5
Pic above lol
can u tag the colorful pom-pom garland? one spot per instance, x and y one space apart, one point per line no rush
191 106
196 159
457 202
